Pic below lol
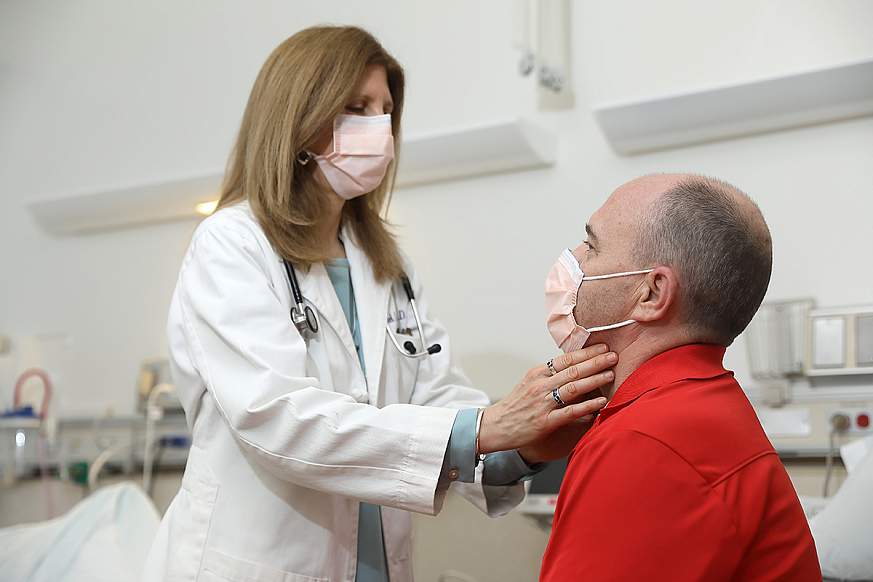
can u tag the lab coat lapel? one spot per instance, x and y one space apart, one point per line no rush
371 298
318 290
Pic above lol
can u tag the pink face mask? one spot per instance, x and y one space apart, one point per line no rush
362 149
563 284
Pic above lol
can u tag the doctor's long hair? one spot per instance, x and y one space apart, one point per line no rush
305 83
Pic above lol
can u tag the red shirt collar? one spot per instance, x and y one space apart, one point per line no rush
692 361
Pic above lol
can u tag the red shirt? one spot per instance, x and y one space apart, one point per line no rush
677 481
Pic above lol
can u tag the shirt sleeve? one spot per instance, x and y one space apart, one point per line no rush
501 468
508 468
631 508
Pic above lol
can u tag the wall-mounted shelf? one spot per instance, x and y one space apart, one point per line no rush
435 157
811 97
125 207
493 148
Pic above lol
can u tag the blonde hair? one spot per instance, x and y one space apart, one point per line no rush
305 83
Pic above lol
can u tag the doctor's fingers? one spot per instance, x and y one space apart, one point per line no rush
583 370
579 389
565 361
563 416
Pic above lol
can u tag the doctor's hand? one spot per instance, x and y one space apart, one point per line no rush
529 413
558 444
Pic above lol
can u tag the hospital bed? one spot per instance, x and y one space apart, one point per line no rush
104 538
843 527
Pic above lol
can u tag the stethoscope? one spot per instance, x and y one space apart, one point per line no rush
304 319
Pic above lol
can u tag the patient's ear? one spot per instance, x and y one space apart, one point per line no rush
658 293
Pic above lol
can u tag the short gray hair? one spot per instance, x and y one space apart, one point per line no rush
721 249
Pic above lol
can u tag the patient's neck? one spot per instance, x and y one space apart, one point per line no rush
635 347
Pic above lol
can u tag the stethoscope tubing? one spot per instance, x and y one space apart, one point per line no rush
306 322
302 315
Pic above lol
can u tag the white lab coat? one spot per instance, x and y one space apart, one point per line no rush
288 437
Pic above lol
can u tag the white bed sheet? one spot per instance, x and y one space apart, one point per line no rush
104 538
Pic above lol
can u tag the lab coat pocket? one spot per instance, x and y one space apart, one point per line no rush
399 375
192 511
221 567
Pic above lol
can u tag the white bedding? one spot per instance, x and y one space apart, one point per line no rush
105 537
843 527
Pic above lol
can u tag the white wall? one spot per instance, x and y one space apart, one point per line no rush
99 94
103 93
812 184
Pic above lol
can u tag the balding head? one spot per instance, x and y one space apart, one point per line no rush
708 251
716 239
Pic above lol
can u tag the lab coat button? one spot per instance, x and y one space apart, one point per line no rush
454 474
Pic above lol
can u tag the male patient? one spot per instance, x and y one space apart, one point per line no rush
676 480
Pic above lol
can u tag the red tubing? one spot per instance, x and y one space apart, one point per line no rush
46 388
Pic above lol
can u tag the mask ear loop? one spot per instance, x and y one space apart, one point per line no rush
613 276
608 327
304 158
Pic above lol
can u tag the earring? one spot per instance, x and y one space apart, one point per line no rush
303 158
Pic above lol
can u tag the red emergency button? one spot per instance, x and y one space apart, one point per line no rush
863 420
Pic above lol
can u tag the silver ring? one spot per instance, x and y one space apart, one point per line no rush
557 397
551 366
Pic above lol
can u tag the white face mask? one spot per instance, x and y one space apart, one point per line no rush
363 147
563 284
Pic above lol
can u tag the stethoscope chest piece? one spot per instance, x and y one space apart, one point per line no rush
306 322
302 315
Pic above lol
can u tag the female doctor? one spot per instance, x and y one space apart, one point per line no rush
315 426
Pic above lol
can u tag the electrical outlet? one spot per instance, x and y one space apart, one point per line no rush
860 419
